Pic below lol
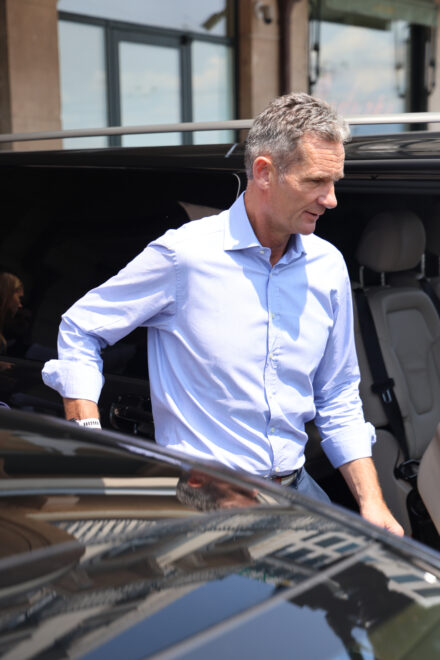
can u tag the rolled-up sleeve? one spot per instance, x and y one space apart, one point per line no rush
339 414
141 294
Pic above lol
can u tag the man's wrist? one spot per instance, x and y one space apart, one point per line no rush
89 422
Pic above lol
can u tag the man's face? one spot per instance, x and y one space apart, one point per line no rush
307 189
15 303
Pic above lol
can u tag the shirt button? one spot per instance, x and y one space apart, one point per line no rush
277 469
273 316
261 251
272 430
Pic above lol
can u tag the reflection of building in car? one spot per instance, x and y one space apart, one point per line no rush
207 493
107 555
127 571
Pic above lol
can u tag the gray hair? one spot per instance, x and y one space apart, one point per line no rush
277 131
205 498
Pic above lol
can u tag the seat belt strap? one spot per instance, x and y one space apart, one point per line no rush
382 385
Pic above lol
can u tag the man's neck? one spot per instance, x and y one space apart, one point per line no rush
261 225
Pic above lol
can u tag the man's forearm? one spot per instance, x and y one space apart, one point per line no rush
361 478
80 409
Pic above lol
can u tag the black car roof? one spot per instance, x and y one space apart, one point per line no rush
412 146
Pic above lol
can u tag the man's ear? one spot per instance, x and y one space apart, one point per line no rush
195 481
263 171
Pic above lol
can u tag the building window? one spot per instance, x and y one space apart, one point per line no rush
173 62
212 91
373 58
83 80
149 89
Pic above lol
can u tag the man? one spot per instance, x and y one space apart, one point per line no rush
249 317
205 493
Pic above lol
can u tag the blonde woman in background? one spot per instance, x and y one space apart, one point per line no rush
11 294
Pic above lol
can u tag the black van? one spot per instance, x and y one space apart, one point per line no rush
71 219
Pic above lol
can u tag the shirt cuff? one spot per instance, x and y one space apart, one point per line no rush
73 380
350 444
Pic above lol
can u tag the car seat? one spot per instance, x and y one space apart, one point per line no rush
408 331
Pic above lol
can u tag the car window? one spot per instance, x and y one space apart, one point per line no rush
76 228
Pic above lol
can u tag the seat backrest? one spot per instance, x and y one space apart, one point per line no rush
428 478
432 229
407 324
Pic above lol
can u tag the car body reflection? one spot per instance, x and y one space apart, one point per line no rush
104 554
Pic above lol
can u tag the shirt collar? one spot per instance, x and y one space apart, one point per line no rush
239 235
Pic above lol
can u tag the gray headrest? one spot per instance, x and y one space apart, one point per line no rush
392 241
432 228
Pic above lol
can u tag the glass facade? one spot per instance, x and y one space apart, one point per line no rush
204 16
148 62
149 90
141 62
357 72
83 81
212 90
372 58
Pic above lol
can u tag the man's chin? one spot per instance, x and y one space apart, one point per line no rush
308 228
309 222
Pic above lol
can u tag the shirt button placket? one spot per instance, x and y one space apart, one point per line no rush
271 361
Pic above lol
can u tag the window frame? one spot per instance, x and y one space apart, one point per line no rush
117 31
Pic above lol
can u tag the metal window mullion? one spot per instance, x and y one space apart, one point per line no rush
146 37
112 83
417 95
236 45
186 90
150 30
81 18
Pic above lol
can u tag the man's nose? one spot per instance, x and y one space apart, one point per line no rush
328 199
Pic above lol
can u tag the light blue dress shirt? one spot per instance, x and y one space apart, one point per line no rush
241 354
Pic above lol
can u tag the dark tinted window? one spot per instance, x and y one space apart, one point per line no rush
74 228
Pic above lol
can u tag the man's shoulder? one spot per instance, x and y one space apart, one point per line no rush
315 246
322 257
194 233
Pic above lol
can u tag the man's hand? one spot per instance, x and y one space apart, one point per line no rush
361 478
381 516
